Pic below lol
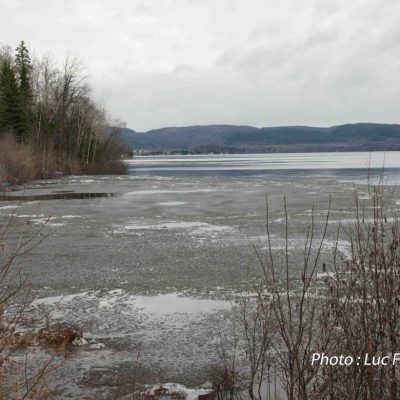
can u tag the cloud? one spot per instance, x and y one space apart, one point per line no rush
256 62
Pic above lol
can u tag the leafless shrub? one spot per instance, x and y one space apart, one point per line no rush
255 315
226 380
363 302
18 163
289 306
18 380
336 305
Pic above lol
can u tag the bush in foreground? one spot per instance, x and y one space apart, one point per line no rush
338 304
26 379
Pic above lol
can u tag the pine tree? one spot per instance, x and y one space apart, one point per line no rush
11 106
23 64
23 70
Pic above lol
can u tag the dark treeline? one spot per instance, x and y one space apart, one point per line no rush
47 113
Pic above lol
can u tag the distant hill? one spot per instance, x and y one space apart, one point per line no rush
237 138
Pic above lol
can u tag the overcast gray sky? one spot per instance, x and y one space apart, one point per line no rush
158 63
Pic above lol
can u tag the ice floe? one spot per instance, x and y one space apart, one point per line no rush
119 299
180 225
172 388
171 203
10 206
162 191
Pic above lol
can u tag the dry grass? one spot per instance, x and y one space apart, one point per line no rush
20 340
3 172
161 392
116 167
58 336
18 163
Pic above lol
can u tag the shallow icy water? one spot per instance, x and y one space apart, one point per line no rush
272 164
156 263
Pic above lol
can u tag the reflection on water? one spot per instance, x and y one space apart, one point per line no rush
172 303
283 164
60 195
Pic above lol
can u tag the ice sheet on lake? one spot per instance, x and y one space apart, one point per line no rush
171 203
167 191
163 304
54 300
343 247
9 207
204 227
116 312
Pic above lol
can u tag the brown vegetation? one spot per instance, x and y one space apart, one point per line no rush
164 393
59 336
20 164
337 305
26 379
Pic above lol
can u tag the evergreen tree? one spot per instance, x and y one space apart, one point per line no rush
23 64
23 70
11 108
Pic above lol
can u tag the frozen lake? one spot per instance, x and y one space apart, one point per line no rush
154 258
305 164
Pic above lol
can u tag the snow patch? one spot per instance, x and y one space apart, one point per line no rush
171 203
8 207
79 341
53 300
97 346
87 181
170 388
321 275
343 247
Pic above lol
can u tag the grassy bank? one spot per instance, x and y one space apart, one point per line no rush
19 163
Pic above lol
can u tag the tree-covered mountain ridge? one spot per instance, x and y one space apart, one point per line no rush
242 138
